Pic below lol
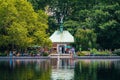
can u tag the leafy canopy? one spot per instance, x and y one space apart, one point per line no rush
21 26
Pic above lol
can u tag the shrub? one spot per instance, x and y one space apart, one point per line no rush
3 54
117 51
95 52
45 54
80 54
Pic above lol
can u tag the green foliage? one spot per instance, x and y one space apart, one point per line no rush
52 25
18 35
86 38
21 26
80 54
102 17
92 51
45 54
83 53
108 27
117 51
100 53
39 4
3 54
109 35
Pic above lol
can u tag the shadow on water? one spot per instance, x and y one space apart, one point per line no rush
59 69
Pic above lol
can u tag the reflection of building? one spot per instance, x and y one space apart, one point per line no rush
61 40
62 74
62 69
62 63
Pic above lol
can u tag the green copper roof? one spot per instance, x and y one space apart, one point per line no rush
63 36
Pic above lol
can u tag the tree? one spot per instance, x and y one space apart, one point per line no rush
39 4
108 36
93 14
21 26
108 26
104 20
86 38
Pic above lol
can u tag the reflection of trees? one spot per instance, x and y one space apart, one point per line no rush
112 73
84 71
25 71
96 70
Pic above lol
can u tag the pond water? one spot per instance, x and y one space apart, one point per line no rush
59 69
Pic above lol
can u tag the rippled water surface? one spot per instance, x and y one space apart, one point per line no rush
59 69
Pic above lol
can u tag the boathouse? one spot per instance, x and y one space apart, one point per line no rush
61 40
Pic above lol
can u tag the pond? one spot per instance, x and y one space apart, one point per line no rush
59 69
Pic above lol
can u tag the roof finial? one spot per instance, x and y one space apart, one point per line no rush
61 24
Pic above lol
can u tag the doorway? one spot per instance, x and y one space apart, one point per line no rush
61 49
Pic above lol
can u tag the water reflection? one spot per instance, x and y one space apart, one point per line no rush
97 70
62 69
25 70
62 63
59 69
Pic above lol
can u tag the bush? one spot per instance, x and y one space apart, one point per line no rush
95 52
117 51
3 54
45 54
81 54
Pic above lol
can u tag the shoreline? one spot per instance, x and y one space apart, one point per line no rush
24 57
97 57
64 57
